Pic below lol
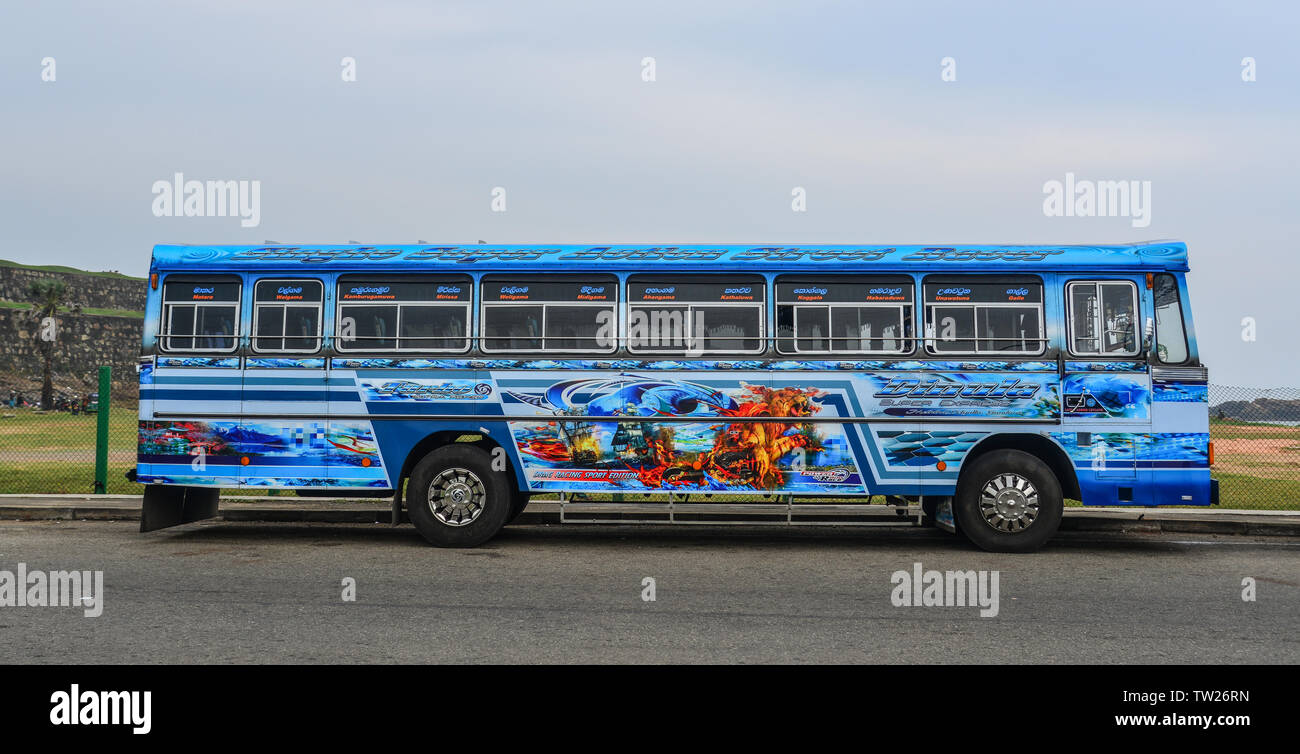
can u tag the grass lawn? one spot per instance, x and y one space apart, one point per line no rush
1258 493
85 310
1229 429
71 270
54 453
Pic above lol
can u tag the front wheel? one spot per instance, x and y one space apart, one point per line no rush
1008 501
456 499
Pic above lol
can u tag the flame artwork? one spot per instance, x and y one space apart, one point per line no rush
747 438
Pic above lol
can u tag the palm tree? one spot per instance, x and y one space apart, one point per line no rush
47 298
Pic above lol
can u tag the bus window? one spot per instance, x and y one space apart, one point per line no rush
550 314
979 315
200 315
1103 317
858 315
1171 341
696 314
430 314
287 315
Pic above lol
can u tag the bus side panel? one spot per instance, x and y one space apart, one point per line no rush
312 450
406 388
953 406
1171 468
1165 463
176 450
767 431
708 432
1106 414
1179 455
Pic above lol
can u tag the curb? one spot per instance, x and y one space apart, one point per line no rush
306 510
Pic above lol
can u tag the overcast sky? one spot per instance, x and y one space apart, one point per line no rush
547 100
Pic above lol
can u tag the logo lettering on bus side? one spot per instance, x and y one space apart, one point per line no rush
428 392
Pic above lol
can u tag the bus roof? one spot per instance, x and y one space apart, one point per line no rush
824 258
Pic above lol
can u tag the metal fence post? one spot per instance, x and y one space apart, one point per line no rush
101 431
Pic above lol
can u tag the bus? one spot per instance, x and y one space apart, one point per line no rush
696 383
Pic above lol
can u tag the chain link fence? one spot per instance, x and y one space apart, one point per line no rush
53 452
1256 434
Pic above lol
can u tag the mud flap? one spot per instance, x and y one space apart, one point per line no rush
943 517
165 506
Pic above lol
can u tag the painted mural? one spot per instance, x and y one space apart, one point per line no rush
683 436
260 454
1107 396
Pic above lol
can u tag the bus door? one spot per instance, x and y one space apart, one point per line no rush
284 398
1106 399
1178 454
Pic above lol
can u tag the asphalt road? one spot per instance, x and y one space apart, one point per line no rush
268 593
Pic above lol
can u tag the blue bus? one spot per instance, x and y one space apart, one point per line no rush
679 383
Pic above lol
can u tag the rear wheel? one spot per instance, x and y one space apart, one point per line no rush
455 499
1008 501
518 501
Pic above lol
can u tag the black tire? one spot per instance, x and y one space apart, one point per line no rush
484 497
930 507
1014 482
518 501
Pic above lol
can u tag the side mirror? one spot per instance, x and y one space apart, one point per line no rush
1148 335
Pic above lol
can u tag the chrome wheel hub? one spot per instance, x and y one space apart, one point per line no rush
1009 503
456 497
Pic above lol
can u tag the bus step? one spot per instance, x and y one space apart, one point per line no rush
724 513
